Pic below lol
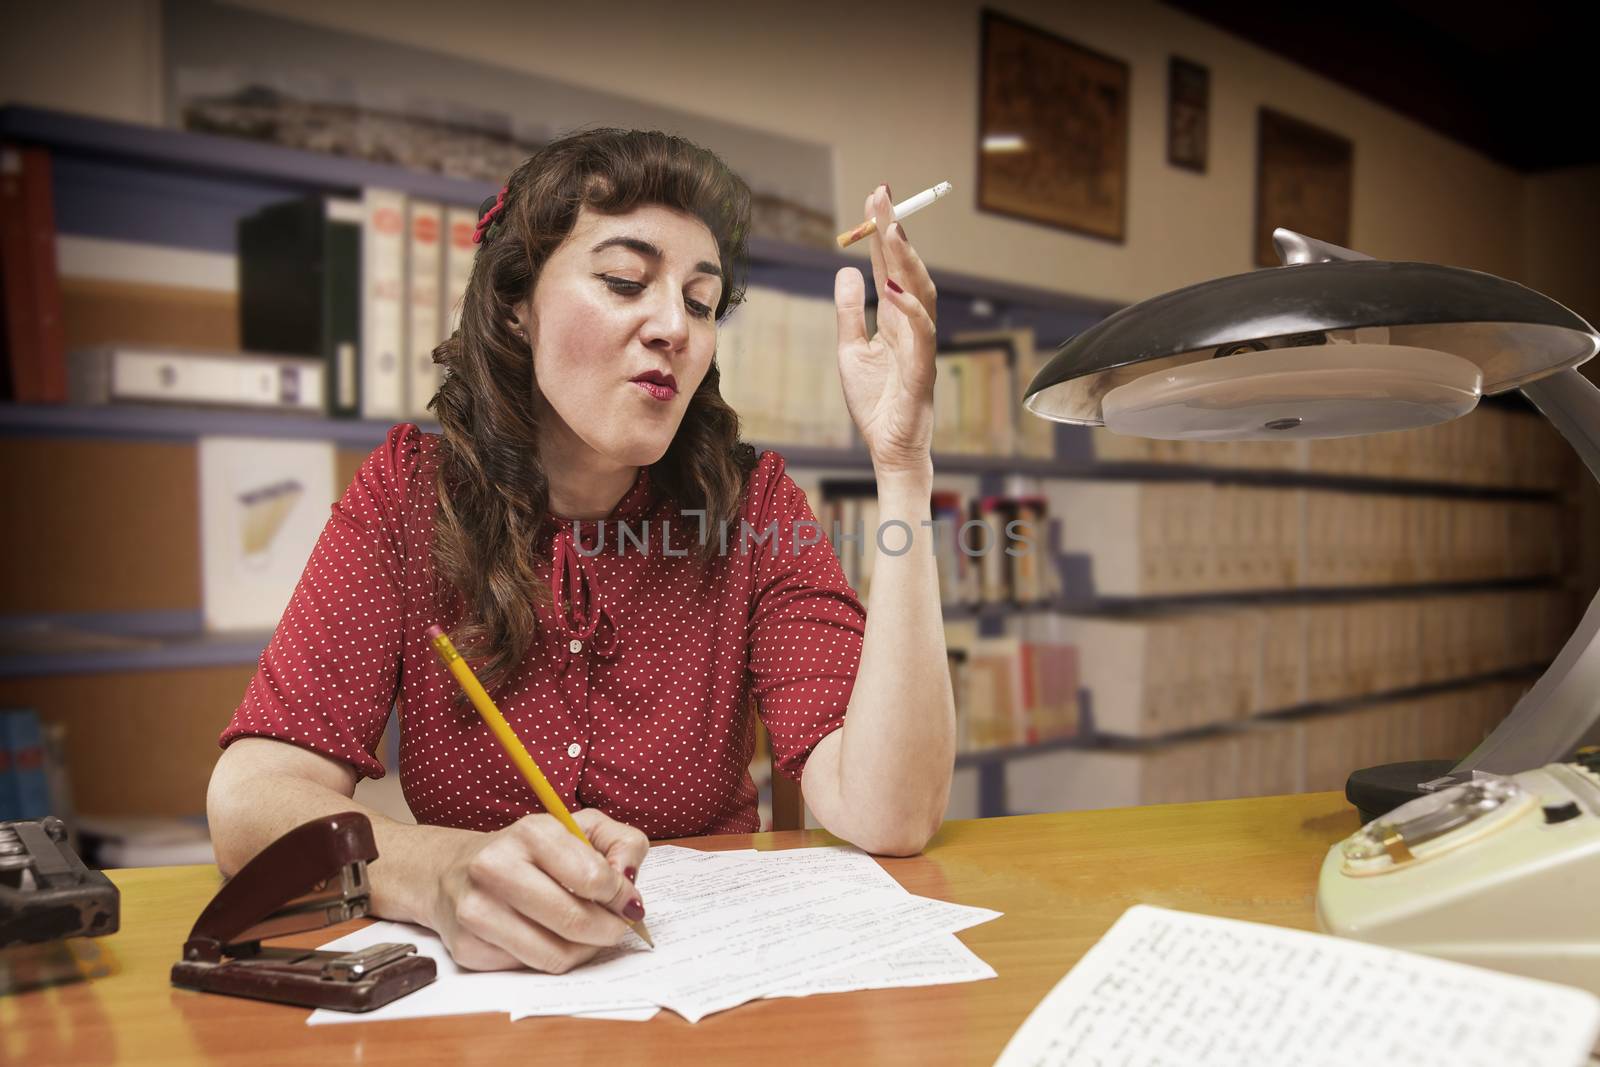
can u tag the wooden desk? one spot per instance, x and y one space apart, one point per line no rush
1060 879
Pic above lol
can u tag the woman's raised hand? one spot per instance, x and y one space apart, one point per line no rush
533 895
888 377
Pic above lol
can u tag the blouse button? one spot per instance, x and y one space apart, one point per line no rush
574 750
574 646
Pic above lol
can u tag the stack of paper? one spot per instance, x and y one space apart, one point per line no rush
729 927
1172 987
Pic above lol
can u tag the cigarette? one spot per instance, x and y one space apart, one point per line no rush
901 210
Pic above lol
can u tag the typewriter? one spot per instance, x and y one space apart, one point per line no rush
46 892
1499 872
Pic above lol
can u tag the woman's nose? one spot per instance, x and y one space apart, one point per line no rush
668 323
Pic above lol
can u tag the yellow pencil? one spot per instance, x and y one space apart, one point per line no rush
508 740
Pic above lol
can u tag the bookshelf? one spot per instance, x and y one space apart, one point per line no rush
166 187
158 186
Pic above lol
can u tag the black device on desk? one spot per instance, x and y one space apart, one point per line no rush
313 876
46 892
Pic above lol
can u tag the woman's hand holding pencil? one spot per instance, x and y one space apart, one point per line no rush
550 890
533 895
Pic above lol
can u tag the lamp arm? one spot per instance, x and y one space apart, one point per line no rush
1562 710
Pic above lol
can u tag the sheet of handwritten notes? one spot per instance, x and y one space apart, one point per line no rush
729 927
1169 987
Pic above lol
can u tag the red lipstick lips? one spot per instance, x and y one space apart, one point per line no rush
658 385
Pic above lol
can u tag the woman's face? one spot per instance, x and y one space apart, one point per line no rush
623 330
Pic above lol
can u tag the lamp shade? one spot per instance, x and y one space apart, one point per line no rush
1510 333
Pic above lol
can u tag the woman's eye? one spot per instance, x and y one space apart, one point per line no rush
624 287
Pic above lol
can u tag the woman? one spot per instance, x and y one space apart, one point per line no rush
580 397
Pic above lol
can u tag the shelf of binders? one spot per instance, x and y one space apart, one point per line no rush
57 644
158 186
1309 749
1092 739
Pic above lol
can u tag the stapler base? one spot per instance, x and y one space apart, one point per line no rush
309 978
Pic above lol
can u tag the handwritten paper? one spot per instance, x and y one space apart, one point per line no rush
729 927
1168 987
940 961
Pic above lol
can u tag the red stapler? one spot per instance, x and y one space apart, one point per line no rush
313 876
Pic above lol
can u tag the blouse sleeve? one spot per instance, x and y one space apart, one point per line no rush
806 622
330 674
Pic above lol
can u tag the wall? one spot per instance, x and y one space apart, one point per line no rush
85 56
893 85
1561 237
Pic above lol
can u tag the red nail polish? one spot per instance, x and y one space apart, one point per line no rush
634 910
892 286
630 873
887 192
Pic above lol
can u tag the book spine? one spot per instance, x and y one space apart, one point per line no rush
35 335
112 376
342 303
26 742
20 339
58 782
869 544
10 804
424 301
383 322
459 253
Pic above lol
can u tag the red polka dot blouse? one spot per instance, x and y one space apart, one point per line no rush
632 701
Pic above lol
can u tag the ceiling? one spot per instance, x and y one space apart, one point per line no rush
1513 80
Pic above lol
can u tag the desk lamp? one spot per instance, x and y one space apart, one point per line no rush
1334 343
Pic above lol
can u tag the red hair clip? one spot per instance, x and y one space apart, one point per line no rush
488 217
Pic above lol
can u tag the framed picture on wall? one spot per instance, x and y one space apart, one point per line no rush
1188 114
1052 130
1304 176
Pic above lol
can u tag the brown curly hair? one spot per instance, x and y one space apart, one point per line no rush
492 487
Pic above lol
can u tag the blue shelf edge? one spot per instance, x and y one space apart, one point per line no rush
184 423
230 156
181 423
980 757
209 650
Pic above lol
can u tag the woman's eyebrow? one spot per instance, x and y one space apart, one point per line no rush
645 248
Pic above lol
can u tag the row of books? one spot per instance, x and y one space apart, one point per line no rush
1328 652
1155 675
1311 753
361 289
1010 691
1175 538
780 372
977 396
340 302
990 549
369 285
1492 447
778 357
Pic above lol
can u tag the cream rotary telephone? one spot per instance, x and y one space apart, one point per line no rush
1500 872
